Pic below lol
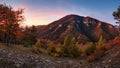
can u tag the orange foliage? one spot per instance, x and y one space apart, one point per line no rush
109 45
116 41
92 57
96 54
112 43
100 49
20 35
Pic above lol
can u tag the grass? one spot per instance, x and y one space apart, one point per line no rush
17 48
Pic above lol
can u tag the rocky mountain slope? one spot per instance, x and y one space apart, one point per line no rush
24 58
84 29
16 57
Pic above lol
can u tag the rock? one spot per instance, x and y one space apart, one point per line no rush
36 61
103 62
17 65
109 60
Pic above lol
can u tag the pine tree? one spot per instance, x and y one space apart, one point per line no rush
65 45
101 41
116 15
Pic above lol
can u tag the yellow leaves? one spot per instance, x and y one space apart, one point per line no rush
58 49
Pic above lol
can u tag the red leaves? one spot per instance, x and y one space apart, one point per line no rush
96 54
9 23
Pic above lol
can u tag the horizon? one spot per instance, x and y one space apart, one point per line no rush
40 12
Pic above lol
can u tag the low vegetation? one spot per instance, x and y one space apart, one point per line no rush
70 48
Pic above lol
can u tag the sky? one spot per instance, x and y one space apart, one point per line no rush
43 12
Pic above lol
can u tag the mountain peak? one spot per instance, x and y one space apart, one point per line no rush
73 15
82 28
67 19
90 19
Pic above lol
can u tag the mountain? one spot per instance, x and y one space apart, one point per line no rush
84 29
40 29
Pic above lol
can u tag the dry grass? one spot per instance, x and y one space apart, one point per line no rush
18 48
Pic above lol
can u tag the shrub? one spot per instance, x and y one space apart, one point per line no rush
40 46
101 41
70 48
96 54
64 46
109 45
58 50
73 49
43 43
95 51
51 48
91 57
25 44
90 48
116 41
36 47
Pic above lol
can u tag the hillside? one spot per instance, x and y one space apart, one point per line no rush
110 60
84 29
20 57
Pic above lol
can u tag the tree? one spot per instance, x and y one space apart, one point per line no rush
101 41
9 23
73 49
70 48
65 45
116 15
90 48
30 36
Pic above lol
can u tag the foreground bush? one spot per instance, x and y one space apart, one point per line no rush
51 48
99 52
70 48
89 49
40 46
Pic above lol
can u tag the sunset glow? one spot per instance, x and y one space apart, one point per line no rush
42 12
43 18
